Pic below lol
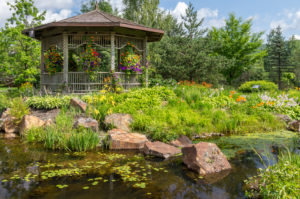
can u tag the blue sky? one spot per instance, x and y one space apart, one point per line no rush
266 14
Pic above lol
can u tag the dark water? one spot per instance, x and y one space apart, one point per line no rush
163 179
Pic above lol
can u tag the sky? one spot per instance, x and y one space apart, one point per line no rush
266 14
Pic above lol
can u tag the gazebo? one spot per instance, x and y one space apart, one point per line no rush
71 36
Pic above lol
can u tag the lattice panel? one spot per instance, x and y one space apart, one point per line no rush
74 41
121 42
53 41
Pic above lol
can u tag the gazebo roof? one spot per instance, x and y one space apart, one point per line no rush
98 19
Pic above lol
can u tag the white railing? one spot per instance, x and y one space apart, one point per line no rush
81 82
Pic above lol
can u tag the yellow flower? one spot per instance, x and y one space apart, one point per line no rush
96 112
102 98
109 111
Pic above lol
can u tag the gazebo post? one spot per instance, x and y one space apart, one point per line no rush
145 52
42 67
112 44
66 59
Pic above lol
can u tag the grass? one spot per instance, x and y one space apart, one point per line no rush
164 113
281 180
62 136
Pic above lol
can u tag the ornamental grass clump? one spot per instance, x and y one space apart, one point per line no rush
62 135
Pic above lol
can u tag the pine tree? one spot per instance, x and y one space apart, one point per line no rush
279 52
102 5
191 23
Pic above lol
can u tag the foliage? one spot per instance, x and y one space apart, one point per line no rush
280 104
280 180
130 60
4 102
20 54
48 102
191 23
18 109
277 59
184 59
53 60
189 109
159 81
255 86
62 136
238 44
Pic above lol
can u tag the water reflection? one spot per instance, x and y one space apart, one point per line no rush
17 158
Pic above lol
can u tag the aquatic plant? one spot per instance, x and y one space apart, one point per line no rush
280 180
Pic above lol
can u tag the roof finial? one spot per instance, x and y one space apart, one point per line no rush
96 5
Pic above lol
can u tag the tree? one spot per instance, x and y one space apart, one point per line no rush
132 8
191 23
279 52
238 44
102 5
19 54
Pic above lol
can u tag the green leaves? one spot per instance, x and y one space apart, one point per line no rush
239 44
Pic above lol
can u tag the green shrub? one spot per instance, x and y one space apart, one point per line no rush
247 87
48 102
4 102
18 109
280 180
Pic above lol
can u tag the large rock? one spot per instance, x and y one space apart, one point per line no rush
46 115
120 139
294 126
181 141
119 121
30 121
205 158
77 103
160 149
7 123
87 123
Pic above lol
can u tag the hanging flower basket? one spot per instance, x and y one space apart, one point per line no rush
53 60
90 59
130 60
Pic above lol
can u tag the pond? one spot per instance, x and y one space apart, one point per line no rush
29 171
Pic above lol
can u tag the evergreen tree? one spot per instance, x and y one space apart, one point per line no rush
132 9
191 23
279 52
102 5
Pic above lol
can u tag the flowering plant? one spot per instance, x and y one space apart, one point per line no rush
130 60
53 60
89 58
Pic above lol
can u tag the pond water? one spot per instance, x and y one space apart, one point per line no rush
29 171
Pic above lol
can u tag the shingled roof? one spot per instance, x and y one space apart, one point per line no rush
97 18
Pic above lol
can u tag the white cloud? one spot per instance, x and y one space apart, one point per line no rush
297 37
56 16
207 12
211 16
54 4
117 4
289 21
179 10
56 9
4 11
